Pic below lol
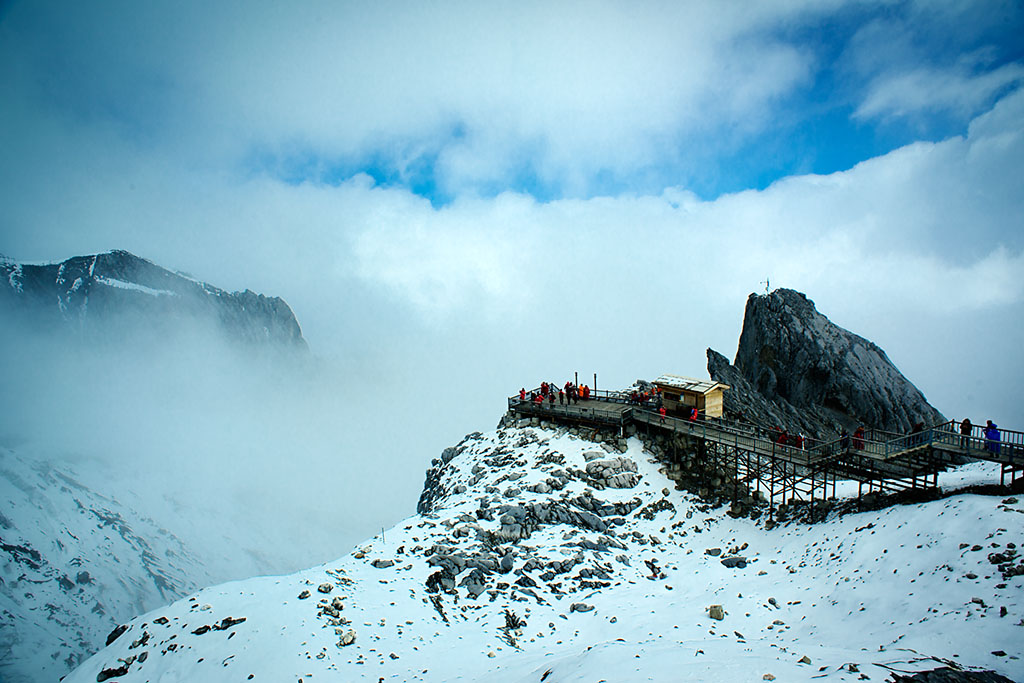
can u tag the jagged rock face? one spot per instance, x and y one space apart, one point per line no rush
92 290
805 373
743 400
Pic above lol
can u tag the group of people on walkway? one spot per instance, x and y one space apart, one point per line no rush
568 395
857 440
642 398
784 438
990 431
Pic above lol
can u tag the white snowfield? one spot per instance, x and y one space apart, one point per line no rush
908 588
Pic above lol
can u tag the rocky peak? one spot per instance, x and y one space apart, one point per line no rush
93 290
796 369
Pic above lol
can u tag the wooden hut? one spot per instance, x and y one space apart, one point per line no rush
681 394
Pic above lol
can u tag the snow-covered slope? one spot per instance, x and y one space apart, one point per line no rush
532 560
73 563
81 553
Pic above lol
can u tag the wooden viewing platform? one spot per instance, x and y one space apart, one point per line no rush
882 461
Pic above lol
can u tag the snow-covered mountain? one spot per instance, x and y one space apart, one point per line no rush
543 553
91 292
129 395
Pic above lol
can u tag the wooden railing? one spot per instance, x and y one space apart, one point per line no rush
876 444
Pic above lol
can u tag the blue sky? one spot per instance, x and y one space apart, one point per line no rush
433 171
832 116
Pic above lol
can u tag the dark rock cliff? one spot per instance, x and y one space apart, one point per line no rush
794 368
87 292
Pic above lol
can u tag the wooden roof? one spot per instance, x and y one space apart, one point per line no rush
698 386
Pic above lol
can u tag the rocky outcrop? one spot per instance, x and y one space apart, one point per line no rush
90 292
796 369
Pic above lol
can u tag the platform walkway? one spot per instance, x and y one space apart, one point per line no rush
882 460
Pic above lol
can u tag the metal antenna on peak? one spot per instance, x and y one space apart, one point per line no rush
766 284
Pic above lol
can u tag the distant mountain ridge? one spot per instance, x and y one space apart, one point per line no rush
86 290
796 369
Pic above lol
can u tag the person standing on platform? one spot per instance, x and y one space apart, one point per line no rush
965 433
992 437
858 438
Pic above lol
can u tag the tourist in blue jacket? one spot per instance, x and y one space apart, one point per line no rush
992 436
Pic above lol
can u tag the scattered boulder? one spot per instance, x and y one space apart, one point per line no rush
475 583
734 562
617 473
111 673
716 612
228 622
382 564
115 634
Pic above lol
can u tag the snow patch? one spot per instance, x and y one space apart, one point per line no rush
14 278
121 284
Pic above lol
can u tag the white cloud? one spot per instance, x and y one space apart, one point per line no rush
582 87
956 89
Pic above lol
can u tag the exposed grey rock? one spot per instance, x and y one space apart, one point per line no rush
806 374
116 633
716 612
580 607
113 672
734 561
441 580
475 583
381 564
949 675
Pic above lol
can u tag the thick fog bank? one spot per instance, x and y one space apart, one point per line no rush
235 449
